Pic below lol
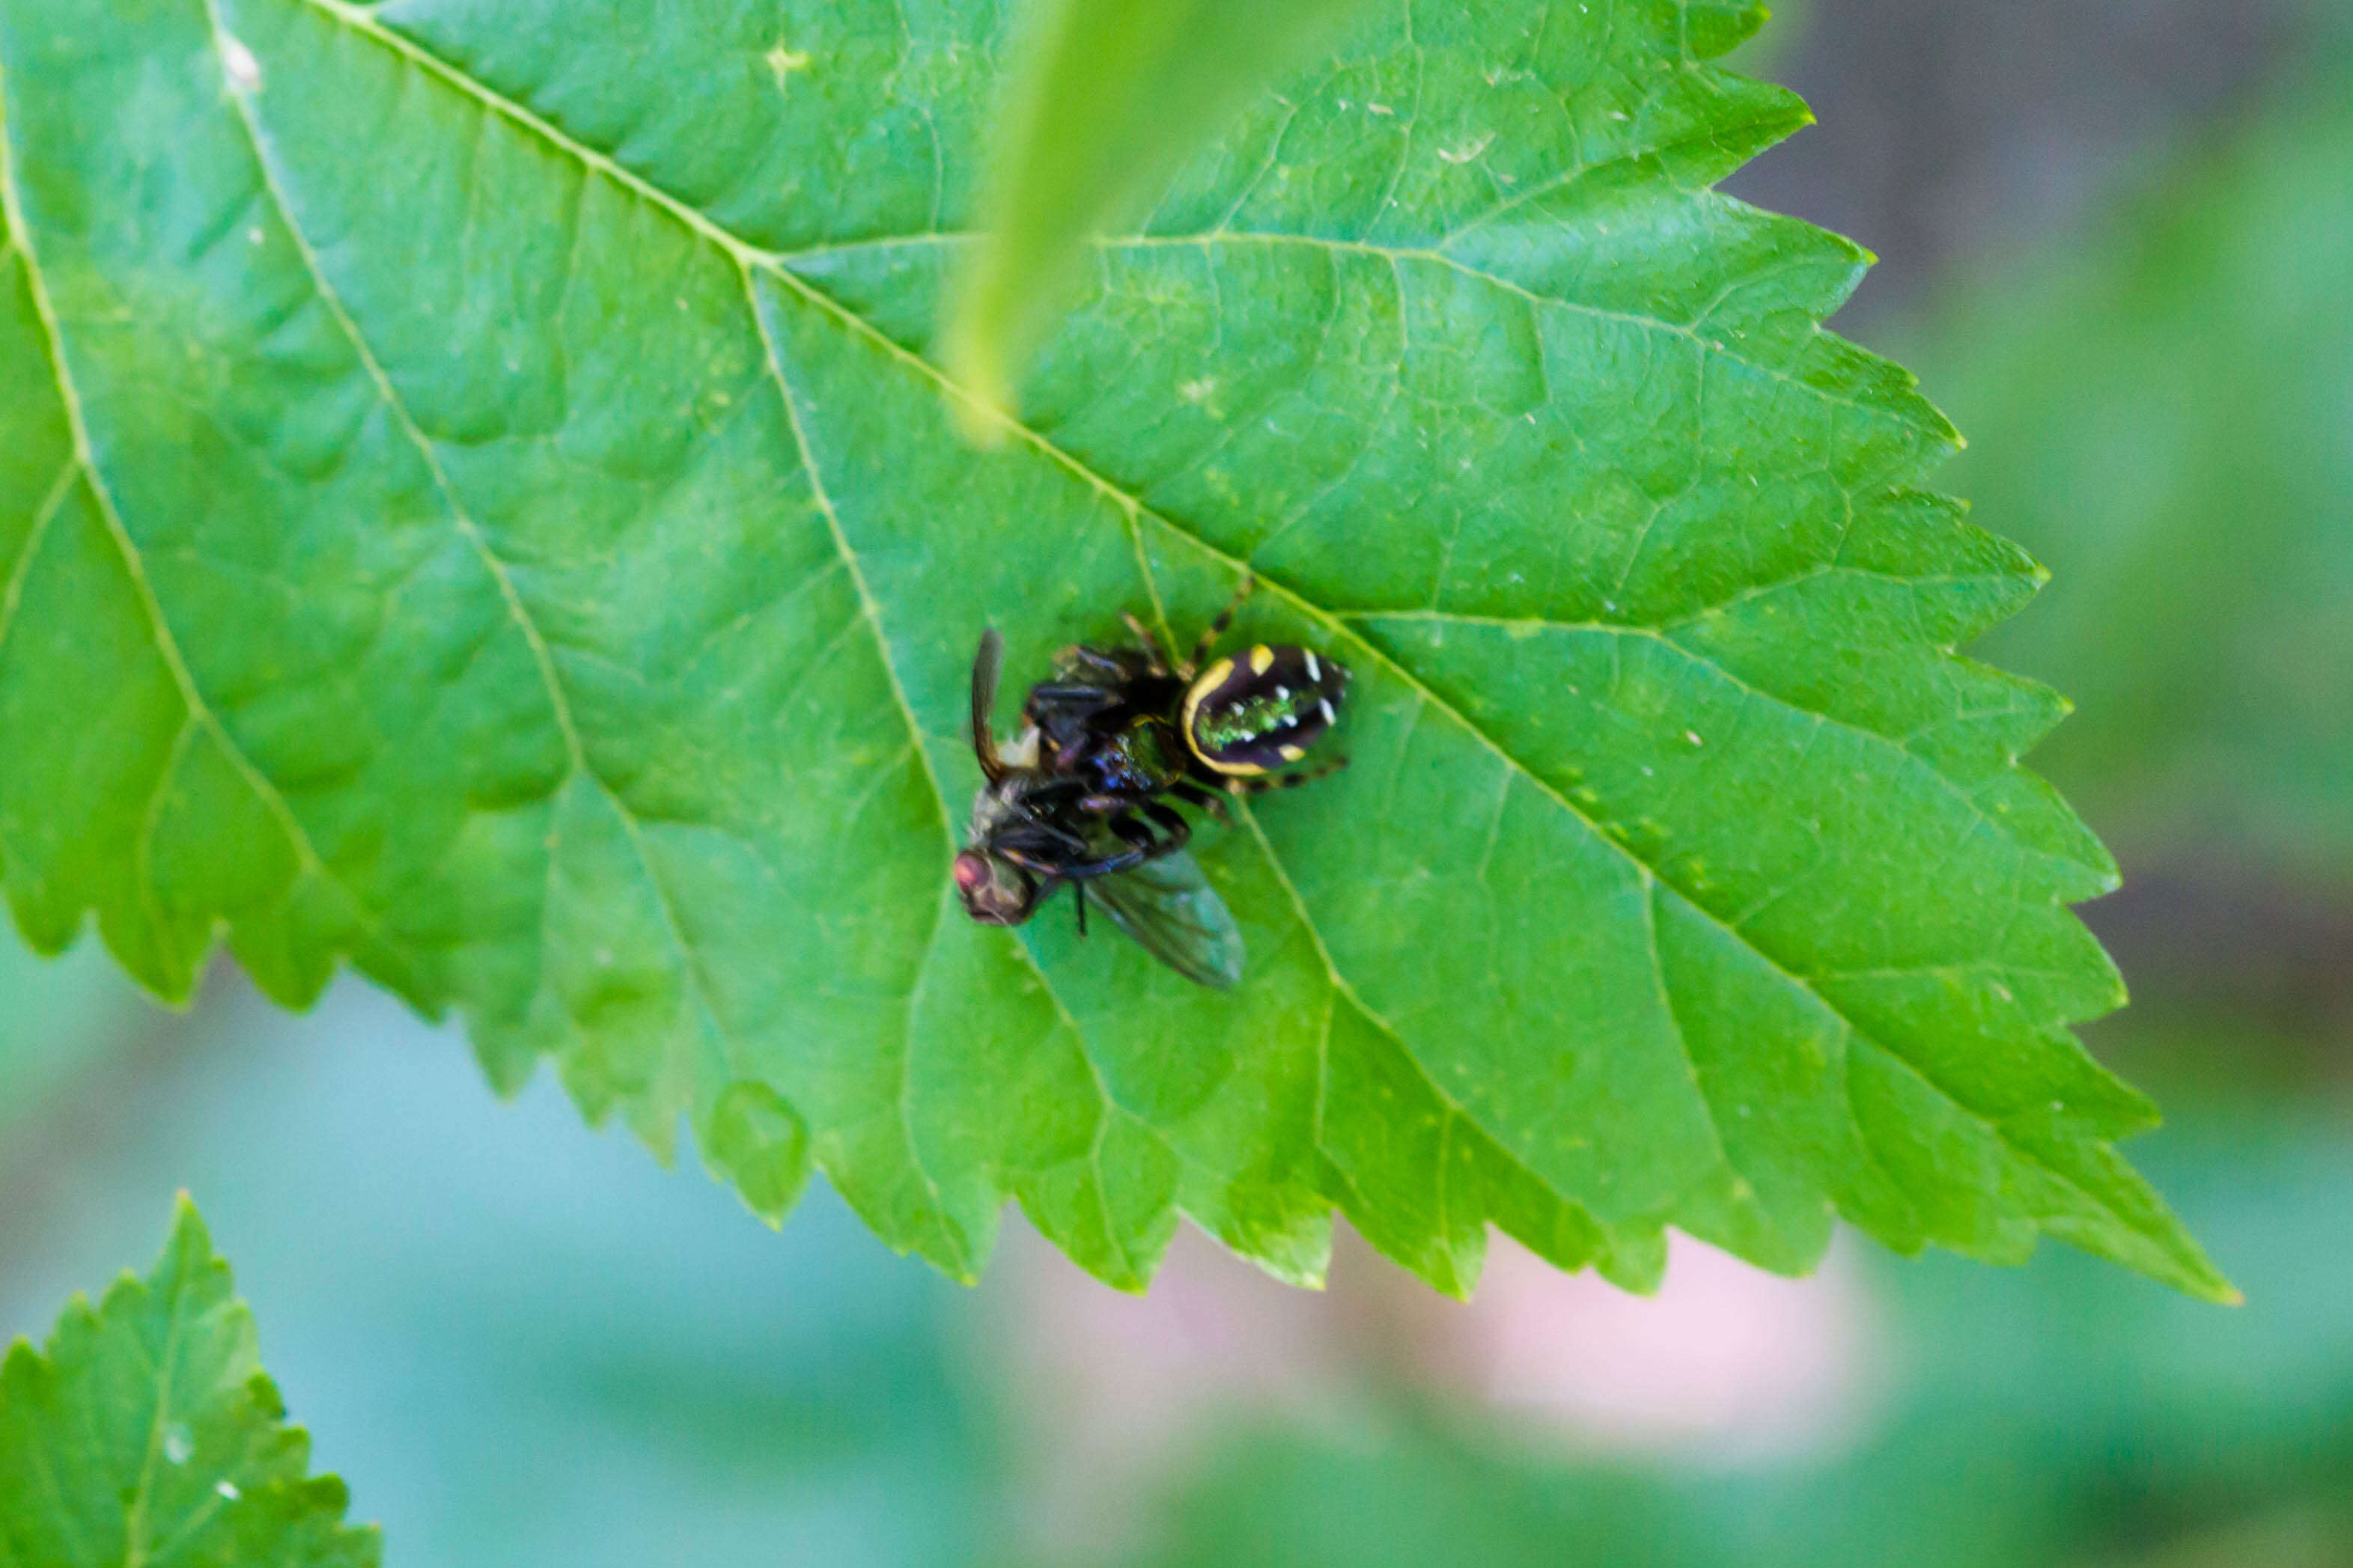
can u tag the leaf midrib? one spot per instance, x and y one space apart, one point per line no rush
1923 424
158 1434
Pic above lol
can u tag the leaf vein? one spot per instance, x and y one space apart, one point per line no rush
1341 987
510 594
1651 888
167 645
34 539
135 1517
1700 661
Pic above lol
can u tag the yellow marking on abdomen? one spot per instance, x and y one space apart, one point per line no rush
1208 681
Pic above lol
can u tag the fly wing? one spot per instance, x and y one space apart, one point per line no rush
1168 907
986 664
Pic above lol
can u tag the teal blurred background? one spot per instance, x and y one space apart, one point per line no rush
2117 243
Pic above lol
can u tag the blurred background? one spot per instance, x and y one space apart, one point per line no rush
2116 240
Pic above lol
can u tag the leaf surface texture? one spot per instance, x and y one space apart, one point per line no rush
485 507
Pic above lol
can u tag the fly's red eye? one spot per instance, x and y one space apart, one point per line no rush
970 872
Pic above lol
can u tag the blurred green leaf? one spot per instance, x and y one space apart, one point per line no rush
2165 416
489 512
147 1433
1109 97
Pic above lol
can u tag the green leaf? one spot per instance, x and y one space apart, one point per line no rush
485 509
147 1433
2161 415
1108 99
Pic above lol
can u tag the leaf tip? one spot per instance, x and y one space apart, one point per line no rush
2209 1283
187 1225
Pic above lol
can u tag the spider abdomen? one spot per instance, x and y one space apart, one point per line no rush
1262 710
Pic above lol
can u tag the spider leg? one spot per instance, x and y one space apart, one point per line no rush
1143 634
1079 891
1217 628
1137 834
1260 784
1180 831
1038 847
1110 664
1053 789
1111 805
1192 794
1126 860
1072 694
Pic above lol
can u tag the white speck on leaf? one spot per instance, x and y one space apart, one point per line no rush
1198 390
228 1489
243 71
782 62
1468 151
177 1444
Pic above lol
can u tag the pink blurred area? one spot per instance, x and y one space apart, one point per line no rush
1725 1365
